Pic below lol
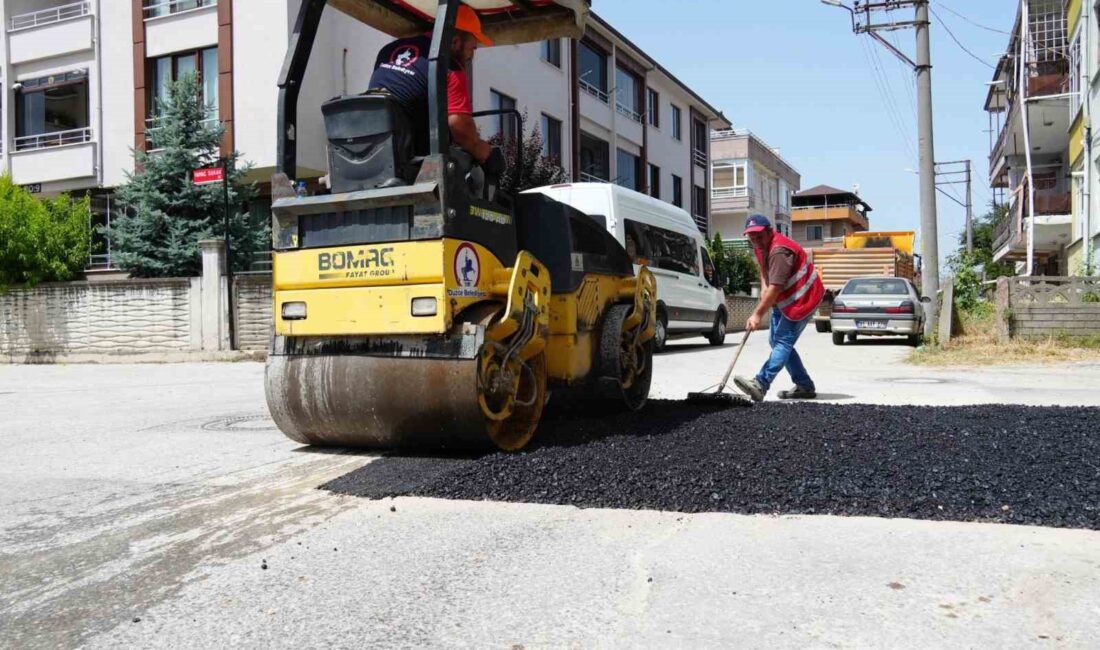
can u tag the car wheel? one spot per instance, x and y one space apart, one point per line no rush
660 335
717 335
822 326
838 338
915 340
852 337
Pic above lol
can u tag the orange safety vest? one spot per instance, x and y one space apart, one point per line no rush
800 297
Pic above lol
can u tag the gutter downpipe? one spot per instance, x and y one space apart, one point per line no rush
1085 86
100 133
1021 65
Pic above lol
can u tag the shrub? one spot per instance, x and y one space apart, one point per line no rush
43 240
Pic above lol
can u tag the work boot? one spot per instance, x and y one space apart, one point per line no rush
750 387
799 392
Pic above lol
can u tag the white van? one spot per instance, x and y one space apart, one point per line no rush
666 239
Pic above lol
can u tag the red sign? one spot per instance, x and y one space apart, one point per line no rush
208 175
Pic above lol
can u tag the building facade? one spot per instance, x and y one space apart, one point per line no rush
748 177
823 215
1083 252
1033 103
84 81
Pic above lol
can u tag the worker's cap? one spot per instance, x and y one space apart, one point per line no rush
468 21
757 223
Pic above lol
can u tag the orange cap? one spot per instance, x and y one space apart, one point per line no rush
468 21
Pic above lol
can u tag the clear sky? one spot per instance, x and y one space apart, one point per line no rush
793 72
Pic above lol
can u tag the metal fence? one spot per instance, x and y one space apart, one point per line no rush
48 16
157 8
55 139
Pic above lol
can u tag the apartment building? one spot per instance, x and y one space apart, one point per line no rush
1083 251
823 215
748 177
1032 101
84 82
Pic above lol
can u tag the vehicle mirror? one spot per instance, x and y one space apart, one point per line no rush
925 299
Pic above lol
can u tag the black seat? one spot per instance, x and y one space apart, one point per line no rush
370 143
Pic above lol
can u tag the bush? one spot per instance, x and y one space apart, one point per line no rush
538 170
736 268
43 240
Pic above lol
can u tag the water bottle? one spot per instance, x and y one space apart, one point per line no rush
301 189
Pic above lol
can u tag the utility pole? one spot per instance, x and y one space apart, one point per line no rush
864 16
969 211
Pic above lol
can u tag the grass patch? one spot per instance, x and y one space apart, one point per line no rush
980 345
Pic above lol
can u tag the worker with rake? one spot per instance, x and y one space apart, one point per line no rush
791 291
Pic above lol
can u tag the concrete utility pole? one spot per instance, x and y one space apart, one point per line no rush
863 22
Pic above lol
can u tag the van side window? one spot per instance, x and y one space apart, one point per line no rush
637 242
673 251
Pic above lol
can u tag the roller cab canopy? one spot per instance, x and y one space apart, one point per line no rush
506 22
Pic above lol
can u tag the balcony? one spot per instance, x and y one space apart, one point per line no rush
48 157
831 213
699 157
158 8
1053 224
48 33
732 199
180 25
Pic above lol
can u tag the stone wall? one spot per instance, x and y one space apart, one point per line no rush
740 308
1049 306
252 300
117 317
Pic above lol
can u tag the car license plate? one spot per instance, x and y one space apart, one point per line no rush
871 324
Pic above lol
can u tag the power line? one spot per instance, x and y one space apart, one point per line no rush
887 97
959 43
976 24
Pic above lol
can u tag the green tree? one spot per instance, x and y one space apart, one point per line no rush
972 269
736 268
42 240
538 170
166 213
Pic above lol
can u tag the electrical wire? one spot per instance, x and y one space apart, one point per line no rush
974 23
959 43
887 98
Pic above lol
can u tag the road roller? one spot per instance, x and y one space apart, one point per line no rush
416 304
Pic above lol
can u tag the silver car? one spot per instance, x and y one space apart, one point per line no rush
878 306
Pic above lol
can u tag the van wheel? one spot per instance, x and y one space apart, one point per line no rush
660 335
717 335
838 338
822 326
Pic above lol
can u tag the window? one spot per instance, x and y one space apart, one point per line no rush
784 197
729 179
168 69
551 137
708 267
506 124
51 111
677 119
876 287
102 209
551 52
629 172
592 70
699 202
700 140
677 191
653 107
815 233
1075 72
595 159
654 181
626 94
662 248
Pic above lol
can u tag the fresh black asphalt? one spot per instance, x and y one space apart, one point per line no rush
1011 464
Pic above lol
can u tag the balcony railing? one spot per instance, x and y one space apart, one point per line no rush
56 139
594 91
157 8
699 157
151 127
48 16
628 112
730 192
589 178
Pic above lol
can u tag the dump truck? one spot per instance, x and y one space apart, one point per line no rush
417 305
884 253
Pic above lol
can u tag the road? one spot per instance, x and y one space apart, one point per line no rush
140 505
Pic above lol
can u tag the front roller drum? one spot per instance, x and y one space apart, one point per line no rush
386 402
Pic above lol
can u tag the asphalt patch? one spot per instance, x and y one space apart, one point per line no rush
1011 464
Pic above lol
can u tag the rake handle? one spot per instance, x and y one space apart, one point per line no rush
729 371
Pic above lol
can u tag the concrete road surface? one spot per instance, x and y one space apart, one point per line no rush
139 506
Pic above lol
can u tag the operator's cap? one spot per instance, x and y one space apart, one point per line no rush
468 21
757 223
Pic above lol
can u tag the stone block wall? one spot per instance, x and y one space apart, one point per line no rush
253 302
1049 306
740 308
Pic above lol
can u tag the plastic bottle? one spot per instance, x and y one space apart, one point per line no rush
301 189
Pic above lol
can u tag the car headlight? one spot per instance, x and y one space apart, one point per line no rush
294 311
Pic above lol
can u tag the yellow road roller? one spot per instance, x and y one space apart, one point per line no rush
417 305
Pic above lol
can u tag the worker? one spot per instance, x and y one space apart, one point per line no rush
791 291
401 70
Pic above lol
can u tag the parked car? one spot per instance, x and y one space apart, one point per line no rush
690 301
878 306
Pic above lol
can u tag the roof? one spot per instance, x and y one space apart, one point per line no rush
821 190
603 24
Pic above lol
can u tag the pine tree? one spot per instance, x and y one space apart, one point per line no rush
166 213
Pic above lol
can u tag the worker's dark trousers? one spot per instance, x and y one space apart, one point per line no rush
782 337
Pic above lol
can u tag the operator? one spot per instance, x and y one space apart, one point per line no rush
791 291
401 70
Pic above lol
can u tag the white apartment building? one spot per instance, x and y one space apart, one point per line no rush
749 177
82 83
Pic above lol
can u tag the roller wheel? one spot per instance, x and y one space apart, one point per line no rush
524 403
626 368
